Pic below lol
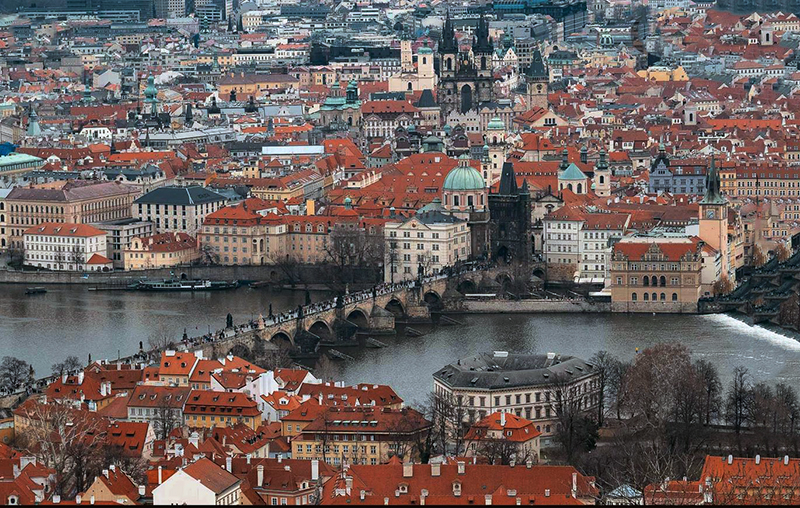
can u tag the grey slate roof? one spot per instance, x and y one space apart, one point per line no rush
185 196
490 372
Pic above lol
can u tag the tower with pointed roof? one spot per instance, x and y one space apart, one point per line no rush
33 124
602 176
465 77
537 79
151 103
498 148
510 232
714 217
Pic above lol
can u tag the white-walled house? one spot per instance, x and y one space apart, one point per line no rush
200 483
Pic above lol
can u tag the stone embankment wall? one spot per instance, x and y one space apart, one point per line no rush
531 306
309 274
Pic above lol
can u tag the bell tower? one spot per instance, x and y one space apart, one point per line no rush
714 216
537 79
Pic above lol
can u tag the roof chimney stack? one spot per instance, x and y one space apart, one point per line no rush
260 474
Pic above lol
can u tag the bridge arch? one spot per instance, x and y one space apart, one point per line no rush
395 306
503 278
322 330
467 286
282 339
359 318
538 272
242 351
432 298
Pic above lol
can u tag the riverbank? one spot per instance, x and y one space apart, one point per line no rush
529 306
301 276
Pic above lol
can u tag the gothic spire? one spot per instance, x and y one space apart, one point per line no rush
713 197
448 43
508 180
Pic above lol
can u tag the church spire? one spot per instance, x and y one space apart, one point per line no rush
448 43
713 196
508 180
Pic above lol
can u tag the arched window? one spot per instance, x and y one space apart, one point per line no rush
655 297
663 281
580 188
455 200
449 64
569 186
634 297
602 179
646 280
424 60
409 85
674 297
646 297
483 62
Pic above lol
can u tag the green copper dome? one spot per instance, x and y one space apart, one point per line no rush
463 177
495 124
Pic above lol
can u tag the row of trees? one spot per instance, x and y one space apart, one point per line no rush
664 412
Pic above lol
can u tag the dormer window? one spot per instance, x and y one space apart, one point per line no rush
456 489
403 488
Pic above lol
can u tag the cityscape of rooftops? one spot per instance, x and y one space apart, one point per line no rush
399 252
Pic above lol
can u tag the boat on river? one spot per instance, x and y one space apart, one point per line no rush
35 291
183 285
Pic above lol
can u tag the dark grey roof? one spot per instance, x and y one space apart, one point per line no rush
180 196
493 371
436 217
426 100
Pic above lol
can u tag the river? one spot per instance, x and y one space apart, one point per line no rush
44 329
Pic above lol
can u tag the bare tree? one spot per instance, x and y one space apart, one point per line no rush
501 450
70 364
573 429
15 374
739 404
449 416
55 433
713 390
604 364
166 419
722 286
160 340
759 258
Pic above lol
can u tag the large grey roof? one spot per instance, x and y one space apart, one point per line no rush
496 372
195 195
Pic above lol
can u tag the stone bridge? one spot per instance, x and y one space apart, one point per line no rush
375 309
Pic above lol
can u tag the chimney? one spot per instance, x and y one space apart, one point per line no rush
488 499
159 475
228 464
348 483
280 458
436 469
287 468
730 459
758 459
142 490
408 470
529 463
362 494
461 467
503 419
105 473
315 470
78 499
546 492
64 378
575 485
80 377
91 500
56 499
112 468
785 460
260 474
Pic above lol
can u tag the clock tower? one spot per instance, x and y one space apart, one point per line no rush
714 217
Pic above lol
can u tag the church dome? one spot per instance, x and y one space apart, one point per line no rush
463 177
495 124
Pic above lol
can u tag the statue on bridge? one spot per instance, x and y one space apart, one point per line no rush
271 315
299 312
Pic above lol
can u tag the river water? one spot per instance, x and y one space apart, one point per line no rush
44 329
